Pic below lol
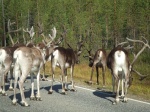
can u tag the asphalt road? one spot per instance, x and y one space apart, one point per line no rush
84 100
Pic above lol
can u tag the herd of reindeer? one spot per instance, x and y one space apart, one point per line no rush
22 59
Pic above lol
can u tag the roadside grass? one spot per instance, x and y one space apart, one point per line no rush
139 89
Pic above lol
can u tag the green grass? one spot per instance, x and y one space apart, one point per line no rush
138 89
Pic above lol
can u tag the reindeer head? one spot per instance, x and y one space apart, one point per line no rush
90 56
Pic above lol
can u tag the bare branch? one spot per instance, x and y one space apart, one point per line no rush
69 45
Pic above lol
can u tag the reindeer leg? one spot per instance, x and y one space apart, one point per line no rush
97 71
38 96
122 92
16 75
103 74
11 78
72 81
53 63
117 92
32 97
125 97
90 81
0 85
66 79
43 78
113 84
126 87
63 85
21 82
3 83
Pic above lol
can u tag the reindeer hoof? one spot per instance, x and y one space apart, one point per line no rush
66 89
4 94
114 103
25 104
122 96
38 99
125 100
50 92
32 98
25 81
43 79
11 89
14 103
73 90
97 83
88 82
63 93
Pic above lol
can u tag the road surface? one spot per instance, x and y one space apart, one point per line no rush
84 100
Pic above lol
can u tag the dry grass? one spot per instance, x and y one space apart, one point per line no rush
139 89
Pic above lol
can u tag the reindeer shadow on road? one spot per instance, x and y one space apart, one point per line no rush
56 88
104 94
27 94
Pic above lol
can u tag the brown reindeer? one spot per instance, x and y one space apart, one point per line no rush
6 56
97 61
65 58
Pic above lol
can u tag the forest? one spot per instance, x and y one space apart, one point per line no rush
104 23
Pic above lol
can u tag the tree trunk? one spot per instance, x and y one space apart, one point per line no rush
107 32
115 25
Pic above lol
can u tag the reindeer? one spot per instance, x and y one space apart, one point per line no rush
97 61
45 40
17 45
65 58
6 56
118 63
5 64
29 60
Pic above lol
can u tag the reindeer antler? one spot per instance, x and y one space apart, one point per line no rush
143 48
138 54
40 31
11 31
30 32
53 36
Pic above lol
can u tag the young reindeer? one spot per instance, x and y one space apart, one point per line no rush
65 58
97 61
